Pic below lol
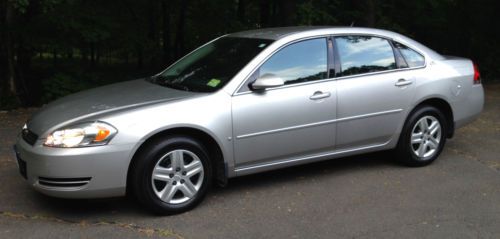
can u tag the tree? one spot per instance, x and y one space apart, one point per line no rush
70 44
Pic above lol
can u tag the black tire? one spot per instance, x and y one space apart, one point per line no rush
405 150
146 160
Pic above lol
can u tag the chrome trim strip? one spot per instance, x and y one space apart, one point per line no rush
369 115
285 129
318 123
308 157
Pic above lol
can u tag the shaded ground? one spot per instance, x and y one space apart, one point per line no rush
358 197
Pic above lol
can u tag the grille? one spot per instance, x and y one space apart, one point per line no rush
63 182
29 136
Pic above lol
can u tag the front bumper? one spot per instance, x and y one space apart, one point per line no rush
89 172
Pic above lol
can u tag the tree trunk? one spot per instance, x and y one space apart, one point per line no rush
179 39
8 87
127 58
97 55
153 34
3 49
165 27
84 56
69 53
286 14
54 57
140 56
264 8
241 11
370 13
92 54
27 85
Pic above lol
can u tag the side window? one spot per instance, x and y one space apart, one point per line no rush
363 54
412 58
299 62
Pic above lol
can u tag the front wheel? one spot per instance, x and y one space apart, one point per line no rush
171 175
423 137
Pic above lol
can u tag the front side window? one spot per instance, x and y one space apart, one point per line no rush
212 66
299 62
364 54
412 58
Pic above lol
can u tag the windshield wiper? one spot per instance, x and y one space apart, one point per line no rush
167 82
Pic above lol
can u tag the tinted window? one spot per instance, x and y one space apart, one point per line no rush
412 58
210 67
363 54
299 62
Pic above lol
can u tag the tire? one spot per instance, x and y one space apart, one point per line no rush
182 170
420 143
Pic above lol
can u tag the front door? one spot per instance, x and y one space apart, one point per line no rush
290 121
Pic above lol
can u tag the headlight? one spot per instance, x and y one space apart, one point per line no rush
81 135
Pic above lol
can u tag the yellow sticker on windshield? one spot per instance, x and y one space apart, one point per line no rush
213 82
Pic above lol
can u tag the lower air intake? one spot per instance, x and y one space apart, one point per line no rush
63 182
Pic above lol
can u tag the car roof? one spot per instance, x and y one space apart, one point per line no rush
277 33
281 32
291 33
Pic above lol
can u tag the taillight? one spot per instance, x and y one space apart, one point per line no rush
477 75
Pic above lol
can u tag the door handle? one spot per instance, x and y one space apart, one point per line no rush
319 95
403 82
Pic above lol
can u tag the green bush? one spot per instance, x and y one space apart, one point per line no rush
62 84
8 102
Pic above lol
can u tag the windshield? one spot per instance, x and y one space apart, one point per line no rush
210 67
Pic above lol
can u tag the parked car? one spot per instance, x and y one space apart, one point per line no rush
245 103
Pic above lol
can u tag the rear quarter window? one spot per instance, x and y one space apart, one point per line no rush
412 58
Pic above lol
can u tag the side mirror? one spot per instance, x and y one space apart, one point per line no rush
267 81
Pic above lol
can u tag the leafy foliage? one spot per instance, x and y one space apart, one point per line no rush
61 38
60 85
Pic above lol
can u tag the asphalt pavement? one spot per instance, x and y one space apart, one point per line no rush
367 196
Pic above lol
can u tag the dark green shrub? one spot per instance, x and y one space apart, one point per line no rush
60 85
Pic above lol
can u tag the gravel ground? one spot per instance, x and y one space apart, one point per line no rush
366 196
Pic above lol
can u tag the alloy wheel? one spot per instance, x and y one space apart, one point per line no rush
425 137
177 176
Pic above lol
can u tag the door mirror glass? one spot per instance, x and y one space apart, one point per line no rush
267 81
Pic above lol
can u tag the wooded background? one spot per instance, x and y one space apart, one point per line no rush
50 48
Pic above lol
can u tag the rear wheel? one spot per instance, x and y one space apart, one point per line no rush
423 137
171 175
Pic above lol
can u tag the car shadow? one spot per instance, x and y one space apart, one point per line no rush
316 170
75 210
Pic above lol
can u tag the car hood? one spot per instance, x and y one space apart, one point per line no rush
101 100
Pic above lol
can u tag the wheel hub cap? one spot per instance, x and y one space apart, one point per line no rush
177 176
425 137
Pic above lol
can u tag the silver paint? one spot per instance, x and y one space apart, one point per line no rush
256 131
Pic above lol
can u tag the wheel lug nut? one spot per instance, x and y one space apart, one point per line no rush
182 180
174 182
178 169
171 175
184 173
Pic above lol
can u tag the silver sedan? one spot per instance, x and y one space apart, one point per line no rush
245 103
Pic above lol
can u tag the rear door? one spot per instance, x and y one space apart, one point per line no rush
374 93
